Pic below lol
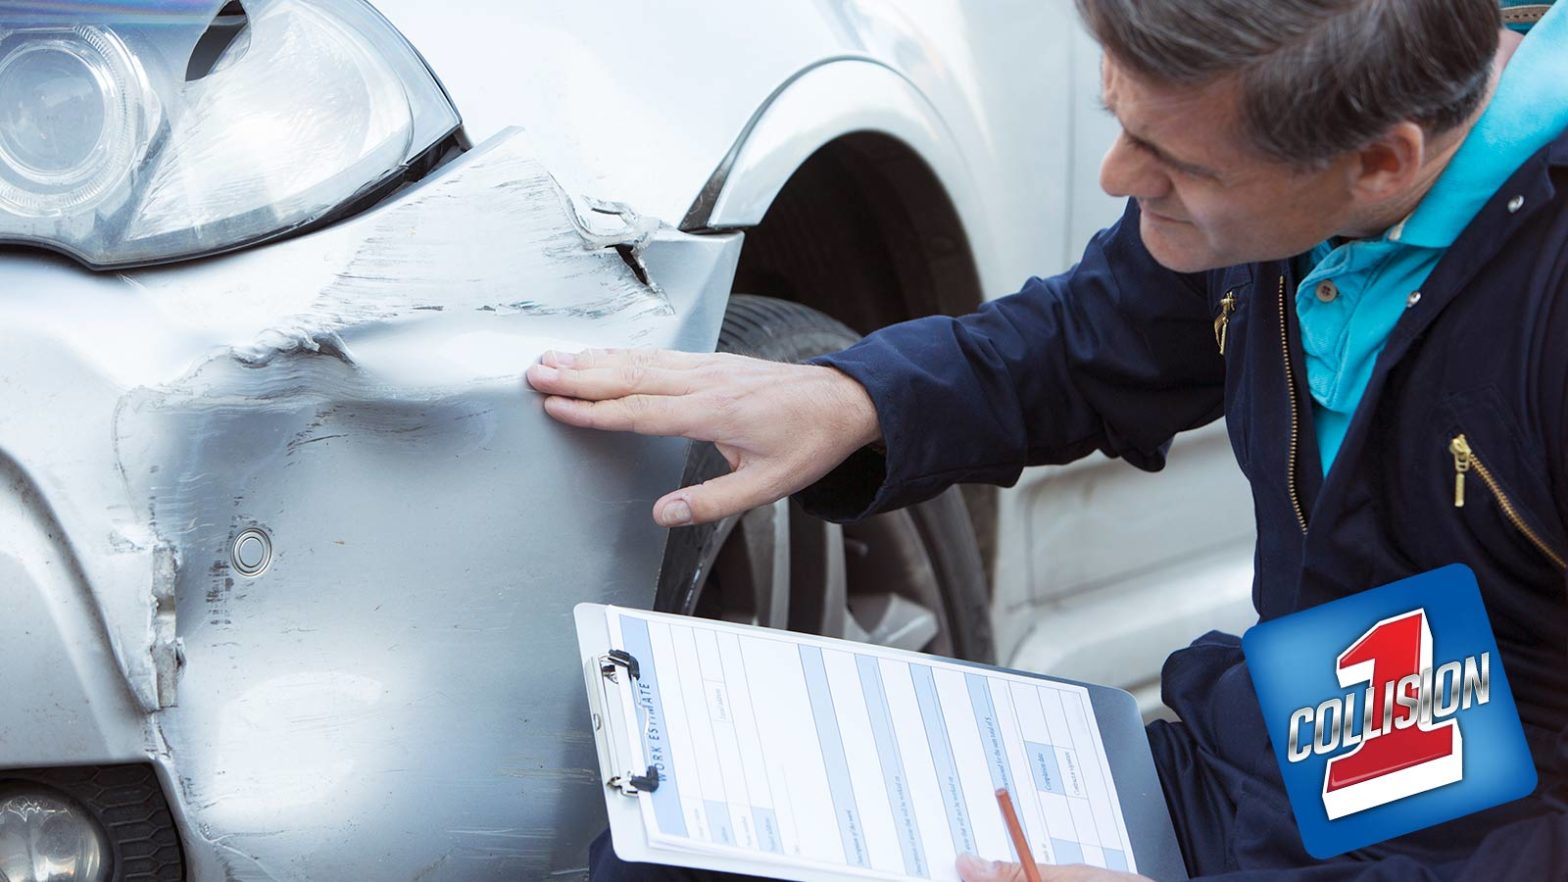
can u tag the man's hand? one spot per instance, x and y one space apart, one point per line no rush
973 869
780 426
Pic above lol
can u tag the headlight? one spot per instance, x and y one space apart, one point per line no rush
122 143
45 837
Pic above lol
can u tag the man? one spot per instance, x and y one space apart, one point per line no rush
1344 234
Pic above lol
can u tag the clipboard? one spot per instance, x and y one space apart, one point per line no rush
607 671
610 676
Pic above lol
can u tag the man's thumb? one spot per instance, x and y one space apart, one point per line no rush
738 491
974 869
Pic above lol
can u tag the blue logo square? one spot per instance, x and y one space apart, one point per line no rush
1389 711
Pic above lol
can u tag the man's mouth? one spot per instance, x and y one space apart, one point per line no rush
1144 207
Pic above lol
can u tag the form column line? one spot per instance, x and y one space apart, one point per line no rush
837 765
892 762
942 757
990 731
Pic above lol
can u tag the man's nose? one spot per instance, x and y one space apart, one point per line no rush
1127 171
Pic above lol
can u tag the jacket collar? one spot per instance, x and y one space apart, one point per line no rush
1528 191
1528 110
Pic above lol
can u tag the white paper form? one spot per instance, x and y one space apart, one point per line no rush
874 763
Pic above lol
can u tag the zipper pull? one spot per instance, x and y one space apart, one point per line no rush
1460 448
1222 322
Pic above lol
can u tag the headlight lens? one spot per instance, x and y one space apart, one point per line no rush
110 153
45 837
70 129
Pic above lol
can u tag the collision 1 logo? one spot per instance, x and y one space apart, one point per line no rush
1389 711
1403 699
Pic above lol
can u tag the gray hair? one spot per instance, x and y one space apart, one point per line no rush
1317 77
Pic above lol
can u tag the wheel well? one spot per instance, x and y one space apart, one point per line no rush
864 232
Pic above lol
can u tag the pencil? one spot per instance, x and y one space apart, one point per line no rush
1020 844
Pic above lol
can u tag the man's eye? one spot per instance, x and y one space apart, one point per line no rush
1141 147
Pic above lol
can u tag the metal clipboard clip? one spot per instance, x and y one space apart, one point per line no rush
612 727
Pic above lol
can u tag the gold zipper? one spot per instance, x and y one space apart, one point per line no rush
1222 322
1465 461
1460 448
1295 419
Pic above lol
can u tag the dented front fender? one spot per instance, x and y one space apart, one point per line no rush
396 694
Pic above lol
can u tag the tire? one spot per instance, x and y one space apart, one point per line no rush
912 578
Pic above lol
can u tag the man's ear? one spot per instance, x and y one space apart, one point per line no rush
1390 165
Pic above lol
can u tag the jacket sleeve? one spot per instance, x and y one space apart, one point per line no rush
1117 354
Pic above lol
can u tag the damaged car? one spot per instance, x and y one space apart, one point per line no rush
288 551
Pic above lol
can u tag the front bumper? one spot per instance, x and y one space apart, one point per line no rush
396 696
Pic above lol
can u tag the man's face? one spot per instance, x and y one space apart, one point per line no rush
1208 198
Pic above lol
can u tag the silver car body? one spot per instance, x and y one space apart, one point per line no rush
396 695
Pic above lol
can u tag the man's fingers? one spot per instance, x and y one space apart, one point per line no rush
779 426
720 497
610 358
599 383
643 414
974 869
597 374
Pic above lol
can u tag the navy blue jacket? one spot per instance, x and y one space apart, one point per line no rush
1118 355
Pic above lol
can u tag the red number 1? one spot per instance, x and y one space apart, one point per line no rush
1405 754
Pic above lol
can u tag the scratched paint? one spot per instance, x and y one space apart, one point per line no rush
401 684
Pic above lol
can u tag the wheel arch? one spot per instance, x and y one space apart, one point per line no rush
856 201
855 198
